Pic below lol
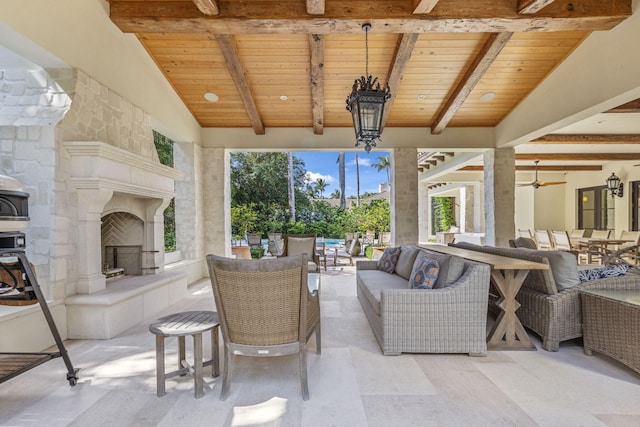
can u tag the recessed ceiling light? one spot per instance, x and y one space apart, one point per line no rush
283 97
211 97
487 96
422 97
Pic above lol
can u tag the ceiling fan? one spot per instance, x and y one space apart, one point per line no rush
537 184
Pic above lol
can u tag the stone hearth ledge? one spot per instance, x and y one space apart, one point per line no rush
123 304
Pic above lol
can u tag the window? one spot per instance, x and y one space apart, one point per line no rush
596 211
164 147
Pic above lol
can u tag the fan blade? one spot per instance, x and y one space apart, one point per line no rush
544 184
526 185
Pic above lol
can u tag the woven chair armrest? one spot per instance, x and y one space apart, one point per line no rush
628 281
366 265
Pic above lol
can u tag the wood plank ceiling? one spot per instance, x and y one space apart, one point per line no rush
439 56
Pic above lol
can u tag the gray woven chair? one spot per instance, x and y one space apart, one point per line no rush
265 309
296 244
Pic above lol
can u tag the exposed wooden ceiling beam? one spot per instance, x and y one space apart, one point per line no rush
230 53
290 16
579 156
424 6
315 7
587 139
316 46
208 7
532 6
547 168
401 57
629 107
480 65
439 158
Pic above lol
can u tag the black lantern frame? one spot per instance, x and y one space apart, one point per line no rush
366 104
614 185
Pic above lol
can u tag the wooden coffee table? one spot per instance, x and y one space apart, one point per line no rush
611 324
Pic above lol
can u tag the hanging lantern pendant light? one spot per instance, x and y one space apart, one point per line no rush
366 104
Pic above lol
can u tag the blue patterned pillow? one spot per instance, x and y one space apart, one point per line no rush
388 260
603 272
424 273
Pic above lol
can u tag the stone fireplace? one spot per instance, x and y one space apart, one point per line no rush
121 200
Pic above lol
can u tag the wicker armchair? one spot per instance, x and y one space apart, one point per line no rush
265 309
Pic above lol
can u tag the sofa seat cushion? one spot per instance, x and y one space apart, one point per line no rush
372 282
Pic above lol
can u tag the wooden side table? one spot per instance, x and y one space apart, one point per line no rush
179 325
611 324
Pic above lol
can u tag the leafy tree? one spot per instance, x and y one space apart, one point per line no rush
384 163
321 186
243 220
164 148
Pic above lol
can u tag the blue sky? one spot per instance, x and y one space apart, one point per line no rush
324 165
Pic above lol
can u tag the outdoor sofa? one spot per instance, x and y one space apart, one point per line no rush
450 318
550 303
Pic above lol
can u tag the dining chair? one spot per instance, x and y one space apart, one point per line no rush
561 240
577 232
265 309
543 240
629 252
525 232
600 234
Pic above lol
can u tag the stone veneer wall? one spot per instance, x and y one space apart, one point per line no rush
189 222
99 114
216 189
27 153
404 196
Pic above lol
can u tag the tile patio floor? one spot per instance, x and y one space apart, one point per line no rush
351 383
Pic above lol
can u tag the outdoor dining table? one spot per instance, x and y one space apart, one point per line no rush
599 246
507 274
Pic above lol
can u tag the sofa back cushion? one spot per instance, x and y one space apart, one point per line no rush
451 268
405 261
564 267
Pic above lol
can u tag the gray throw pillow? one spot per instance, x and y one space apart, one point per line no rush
525 242
451 268
564 267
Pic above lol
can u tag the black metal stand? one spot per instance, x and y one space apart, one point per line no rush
17 363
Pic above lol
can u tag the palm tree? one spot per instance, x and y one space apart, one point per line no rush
341 173
383 164
336 194
292 194
320 186
357 181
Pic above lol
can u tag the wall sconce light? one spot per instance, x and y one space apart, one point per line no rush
614 185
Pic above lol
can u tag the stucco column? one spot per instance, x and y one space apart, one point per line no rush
499 196
404 196
216 201
188 189
467 209
424 211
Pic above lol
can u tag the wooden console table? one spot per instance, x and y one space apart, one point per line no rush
507 275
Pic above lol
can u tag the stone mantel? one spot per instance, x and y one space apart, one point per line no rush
97 165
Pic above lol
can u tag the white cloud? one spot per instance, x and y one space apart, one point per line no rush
362 161
314 176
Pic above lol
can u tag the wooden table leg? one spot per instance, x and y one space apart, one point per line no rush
181 353
197 365
160 365
215 352
507 332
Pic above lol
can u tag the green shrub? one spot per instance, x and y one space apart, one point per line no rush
257 253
